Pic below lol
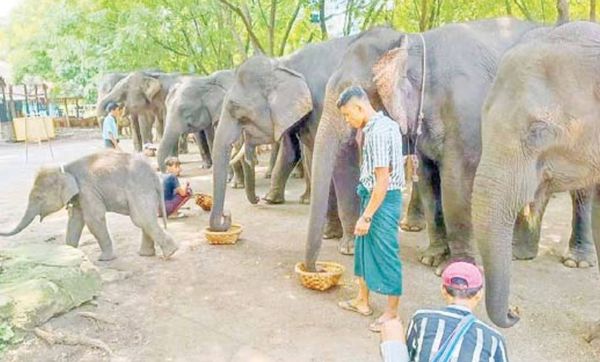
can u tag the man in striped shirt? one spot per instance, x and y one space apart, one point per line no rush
430 330
376 260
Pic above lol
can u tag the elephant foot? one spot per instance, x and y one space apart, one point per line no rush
169 248
333 230
205 165
305 198
453 259
237 185
524 251
268 175
434 255
412 224
107 256
578 259
297 173
346 246
147 252
594 335
274 198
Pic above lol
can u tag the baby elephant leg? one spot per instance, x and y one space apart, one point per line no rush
75 226
164 240
97 226
147 247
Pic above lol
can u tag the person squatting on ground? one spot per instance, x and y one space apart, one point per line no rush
376 260
451 334
110 133
175 194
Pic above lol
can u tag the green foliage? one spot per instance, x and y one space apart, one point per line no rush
70 43
6 336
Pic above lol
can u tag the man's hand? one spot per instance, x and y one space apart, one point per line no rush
362 227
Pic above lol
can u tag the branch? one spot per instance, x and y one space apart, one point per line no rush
593 10
322 20
289 27
167 47
247 24
196 58
523 9
272 27
562 7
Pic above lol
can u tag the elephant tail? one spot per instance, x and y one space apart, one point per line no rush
161 201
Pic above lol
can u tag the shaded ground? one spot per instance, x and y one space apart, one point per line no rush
242 302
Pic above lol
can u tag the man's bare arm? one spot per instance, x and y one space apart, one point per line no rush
382 181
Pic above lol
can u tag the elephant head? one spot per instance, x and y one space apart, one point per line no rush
193 105
364 64
265 100
539 135
52 190
137 91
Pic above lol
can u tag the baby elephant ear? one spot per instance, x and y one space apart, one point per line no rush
69 187
389 73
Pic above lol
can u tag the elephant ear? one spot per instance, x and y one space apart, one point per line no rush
69 187
289 101
151 86
389 74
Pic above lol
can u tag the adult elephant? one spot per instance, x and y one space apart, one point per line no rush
540 131
271 100
452 76
193 106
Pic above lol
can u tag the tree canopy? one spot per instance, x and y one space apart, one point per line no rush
70 43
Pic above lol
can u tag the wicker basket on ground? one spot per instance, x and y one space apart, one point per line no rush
230 236
328 275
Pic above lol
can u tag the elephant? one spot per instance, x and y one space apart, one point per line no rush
194 105
93 185
546 96
143 94
460 64
272 100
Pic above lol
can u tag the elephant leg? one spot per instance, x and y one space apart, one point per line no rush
430 191
595 334
238 175
527 229
298 170
136 133
75 226
204 147
414 218
345 178
272 159
97 225
147 246
160 127
182 144
306 160
289 155
146 128
333 227
581 248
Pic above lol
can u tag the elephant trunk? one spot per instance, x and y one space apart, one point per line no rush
168 144
326 147
227 133
30 214
499 192
249 176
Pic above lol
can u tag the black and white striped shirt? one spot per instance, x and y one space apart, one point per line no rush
428 329
382 147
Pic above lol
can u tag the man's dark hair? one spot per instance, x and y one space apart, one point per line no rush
459 289
172 161
349 93
111 106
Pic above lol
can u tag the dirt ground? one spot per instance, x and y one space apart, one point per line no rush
243 302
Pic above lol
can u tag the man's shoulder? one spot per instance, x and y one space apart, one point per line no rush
385 124
489 330
168 177
435 314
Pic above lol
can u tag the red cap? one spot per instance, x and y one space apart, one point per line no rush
465 271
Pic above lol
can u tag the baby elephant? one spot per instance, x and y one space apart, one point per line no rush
108 181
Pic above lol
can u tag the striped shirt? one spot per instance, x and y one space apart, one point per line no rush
382 147
429 329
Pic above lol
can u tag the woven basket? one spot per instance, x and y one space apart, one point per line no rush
230 236
204 201
328 276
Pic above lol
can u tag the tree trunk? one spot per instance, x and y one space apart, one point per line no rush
423 17
324 34
562 7
593 10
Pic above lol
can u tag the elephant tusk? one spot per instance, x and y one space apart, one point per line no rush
238 156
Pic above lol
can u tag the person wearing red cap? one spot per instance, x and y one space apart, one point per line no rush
450 334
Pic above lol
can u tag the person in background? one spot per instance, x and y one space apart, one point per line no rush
175 194
110 133
376 261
